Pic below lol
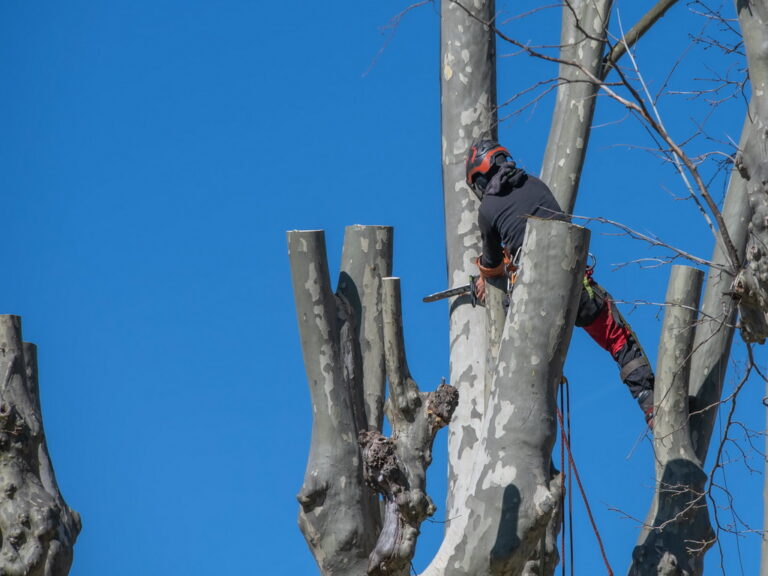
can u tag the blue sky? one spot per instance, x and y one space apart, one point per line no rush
152 157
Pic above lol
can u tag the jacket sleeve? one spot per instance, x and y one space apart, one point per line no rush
493 255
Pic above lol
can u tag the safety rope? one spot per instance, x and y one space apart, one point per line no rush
565 438
565 406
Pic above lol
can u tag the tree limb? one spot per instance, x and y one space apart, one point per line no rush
635 33
338 516
680 511
396 467
366 258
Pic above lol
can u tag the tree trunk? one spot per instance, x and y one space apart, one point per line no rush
751 285
468 108
513 492
38 529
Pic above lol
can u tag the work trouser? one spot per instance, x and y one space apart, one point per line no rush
601 319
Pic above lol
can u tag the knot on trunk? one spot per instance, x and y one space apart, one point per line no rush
441 405
740 166
381 466
14 433
312 495
752 297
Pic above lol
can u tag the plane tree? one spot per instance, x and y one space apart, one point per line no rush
364 493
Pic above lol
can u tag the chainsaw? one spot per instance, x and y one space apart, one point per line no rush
470 289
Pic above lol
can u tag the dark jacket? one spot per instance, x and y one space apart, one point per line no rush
511 196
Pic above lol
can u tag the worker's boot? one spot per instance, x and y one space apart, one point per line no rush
636 373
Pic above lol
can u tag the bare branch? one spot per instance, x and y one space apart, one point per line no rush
635 33
652 240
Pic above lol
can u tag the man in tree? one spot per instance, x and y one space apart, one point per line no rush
508 197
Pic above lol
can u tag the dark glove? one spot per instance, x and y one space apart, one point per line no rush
645 400
480 289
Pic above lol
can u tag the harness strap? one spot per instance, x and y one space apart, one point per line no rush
633 365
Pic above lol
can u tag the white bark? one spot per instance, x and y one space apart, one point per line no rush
583 33
513 494
367 258
338 515
468 108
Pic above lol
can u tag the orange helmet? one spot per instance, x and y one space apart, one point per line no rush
482 158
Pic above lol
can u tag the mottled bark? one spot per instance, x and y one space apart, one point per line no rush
513 492
496 298
710 352
751 284
679 533
468 110
37 528
714 333
582 38
396 467
350 342
339 515
366 258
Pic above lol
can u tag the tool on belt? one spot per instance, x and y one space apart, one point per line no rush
506 268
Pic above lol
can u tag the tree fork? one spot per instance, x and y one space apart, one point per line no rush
680 533
339 516
396 467
513 493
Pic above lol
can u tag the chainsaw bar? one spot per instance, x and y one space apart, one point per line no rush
448 293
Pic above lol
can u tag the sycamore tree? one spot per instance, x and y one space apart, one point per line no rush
364 494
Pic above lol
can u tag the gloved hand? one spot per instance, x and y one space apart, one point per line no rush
645 400
480 289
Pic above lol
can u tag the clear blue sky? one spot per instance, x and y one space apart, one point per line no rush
152 156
